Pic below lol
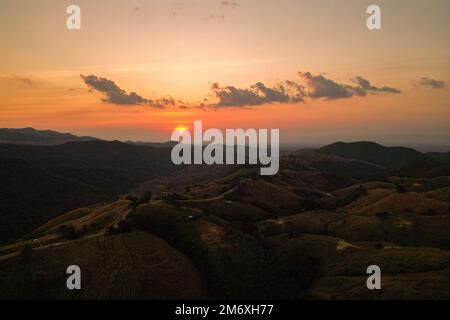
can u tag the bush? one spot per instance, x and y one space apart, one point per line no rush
72 233
125 226
131 198
146 197
401 188
112 230
383 215
172 199
63 230
308 204
26 252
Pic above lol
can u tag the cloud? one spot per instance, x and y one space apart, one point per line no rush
288 91
115 95
435 84
320 87
366 86
316 87
256 95
19 79
230 4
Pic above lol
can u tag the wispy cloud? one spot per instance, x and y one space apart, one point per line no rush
115 95
230 4
429 82
18 79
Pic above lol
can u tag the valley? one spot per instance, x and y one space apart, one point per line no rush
225 232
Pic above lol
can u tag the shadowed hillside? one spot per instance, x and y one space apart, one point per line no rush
225 232
39 182
38 137
388 157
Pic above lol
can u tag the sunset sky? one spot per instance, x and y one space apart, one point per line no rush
189 60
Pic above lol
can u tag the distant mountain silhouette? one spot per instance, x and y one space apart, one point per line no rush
391 158
39 182
168 144
38 137
440 156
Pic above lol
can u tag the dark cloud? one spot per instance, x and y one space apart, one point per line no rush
115 95
256 95
316 87
366 86
321 87
288 91
435 84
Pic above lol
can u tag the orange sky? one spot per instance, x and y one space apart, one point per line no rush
160 48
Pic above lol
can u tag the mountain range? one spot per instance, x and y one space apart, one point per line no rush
38 137
157 231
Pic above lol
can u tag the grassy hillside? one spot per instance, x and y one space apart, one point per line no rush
39 182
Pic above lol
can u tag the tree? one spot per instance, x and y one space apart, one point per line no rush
26 252
125 226
146 197
112 230
131 198
71 233
400 187
172 199
62 229
383 215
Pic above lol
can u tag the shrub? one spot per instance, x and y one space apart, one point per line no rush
401 188
62 229
131 198
112 230
125 226
383 215
172 199
146 197
26 252
72 233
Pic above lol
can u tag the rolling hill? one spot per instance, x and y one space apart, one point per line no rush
39 182
222 232
38 137
388 157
